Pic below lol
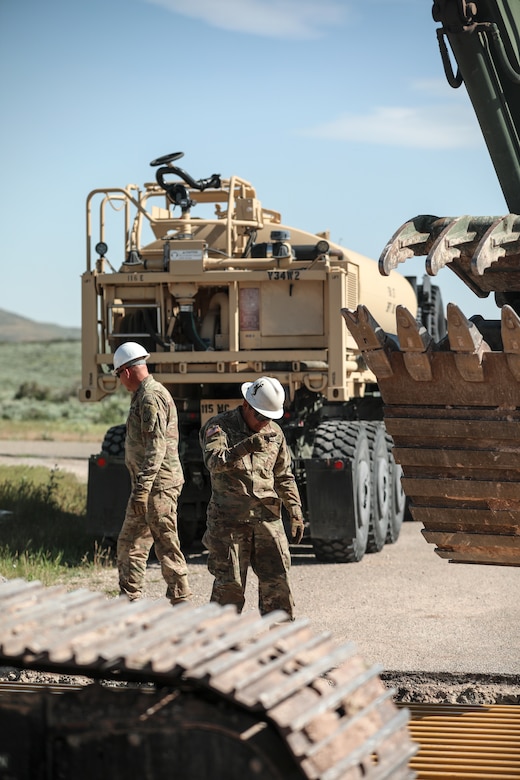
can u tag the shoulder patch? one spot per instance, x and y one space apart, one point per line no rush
212 429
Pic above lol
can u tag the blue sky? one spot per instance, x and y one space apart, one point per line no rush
336 110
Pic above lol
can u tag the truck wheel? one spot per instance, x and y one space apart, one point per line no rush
397 499
114 441
381 487
187 524
348 441
335 551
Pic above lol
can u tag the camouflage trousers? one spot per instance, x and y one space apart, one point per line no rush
261 544
138 533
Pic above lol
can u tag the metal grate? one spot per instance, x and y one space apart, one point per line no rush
352 286
463 742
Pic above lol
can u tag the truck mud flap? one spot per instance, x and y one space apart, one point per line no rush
329 498
107 496
453 411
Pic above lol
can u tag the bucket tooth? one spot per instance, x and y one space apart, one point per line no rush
501 239
413 337
371 339
364 328
510 330
412 238
416 345
448 245
468 344
511 339
463 335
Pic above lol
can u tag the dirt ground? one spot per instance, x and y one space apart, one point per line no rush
420 649
409 688
439 632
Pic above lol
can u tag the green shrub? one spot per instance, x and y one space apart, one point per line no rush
34 391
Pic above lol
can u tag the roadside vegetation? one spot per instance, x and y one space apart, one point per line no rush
42 512
42 527
39 395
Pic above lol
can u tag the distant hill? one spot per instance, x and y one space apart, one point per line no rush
14 328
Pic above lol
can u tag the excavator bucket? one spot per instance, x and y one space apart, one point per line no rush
453 410
452 405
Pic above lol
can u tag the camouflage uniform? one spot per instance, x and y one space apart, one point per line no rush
244 525
152 458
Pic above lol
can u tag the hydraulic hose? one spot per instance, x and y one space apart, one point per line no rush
156 337
201 184
190 331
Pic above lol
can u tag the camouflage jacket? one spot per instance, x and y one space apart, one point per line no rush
260 477
152 439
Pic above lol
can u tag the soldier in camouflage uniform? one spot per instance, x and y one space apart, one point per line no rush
250 466
152 458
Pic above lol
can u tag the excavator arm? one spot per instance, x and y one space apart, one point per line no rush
483 39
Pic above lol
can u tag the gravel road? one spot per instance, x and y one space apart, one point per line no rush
66 455
404 607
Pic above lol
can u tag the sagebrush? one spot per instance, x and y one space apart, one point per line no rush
39 393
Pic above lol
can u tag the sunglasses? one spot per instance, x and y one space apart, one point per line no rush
258 416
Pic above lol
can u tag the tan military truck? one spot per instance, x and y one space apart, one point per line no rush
220 291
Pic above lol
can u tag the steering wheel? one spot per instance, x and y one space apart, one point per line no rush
167 158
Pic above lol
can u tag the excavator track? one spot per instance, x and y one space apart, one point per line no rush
453 410
189 692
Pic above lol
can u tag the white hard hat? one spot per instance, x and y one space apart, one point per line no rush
266 395
128 354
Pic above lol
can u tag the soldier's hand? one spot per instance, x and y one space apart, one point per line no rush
258 443
297 528
139 504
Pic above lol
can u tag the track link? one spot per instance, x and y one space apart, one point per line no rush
333 713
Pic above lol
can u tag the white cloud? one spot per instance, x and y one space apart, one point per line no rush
269 18
442 126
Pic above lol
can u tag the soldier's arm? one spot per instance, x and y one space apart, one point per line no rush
154 425
217 452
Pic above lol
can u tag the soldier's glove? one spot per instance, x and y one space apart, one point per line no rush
139 505
256 443
297 529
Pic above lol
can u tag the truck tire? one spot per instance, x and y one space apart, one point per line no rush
397 499
187 525
381 487
114 441
347 440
